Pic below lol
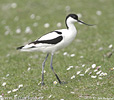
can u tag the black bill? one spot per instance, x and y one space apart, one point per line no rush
84 23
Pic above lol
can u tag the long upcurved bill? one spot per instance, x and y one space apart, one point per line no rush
84 23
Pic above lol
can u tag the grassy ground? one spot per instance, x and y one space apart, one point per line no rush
20 72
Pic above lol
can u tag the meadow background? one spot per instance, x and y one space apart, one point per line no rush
23 21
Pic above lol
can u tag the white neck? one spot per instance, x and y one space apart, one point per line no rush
70 26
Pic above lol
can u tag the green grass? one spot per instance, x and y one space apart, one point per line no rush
14 64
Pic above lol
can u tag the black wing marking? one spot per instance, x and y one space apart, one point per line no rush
58 32
52 41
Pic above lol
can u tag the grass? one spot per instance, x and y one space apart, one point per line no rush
14 64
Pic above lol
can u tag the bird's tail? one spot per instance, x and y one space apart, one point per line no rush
27 47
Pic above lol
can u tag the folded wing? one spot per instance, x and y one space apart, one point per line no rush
47 40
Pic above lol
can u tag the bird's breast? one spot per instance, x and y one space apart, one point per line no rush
69 38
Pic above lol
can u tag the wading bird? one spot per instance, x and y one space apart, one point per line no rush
54 41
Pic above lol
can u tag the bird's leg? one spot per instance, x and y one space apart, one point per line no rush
43 64
53 69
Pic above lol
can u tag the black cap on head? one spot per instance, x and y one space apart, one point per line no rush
74 16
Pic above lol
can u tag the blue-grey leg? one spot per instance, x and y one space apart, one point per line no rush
43 64
53 69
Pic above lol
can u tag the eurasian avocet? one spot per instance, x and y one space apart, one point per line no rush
54 41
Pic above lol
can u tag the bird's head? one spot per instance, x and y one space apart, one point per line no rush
74 18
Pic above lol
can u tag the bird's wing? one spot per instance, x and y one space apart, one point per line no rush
50 38
43 42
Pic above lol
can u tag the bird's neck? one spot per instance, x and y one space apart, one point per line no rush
71 26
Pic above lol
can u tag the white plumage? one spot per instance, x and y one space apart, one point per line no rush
54 41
